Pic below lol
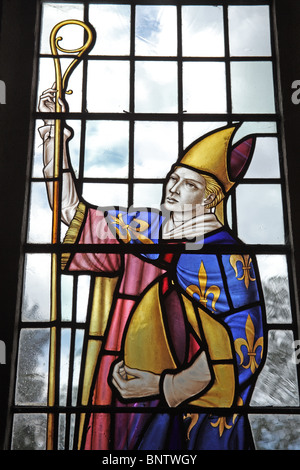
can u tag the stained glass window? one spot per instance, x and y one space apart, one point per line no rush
156 81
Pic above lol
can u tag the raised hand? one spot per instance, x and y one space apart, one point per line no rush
47 103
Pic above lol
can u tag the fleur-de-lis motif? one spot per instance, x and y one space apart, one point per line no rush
130 230
250 346
201 289
222 423
246 266
194 418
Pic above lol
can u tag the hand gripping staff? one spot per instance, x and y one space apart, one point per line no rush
61 83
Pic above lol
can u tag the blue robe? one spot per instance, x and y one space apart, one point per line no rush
236 303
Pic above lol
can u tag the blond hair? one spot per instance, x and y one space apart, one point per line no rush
212 187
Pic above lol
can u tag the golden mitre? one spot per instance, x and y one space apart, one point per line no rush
210 155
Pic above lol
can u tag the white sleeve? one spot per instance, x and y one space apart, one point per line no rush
186 384
70 198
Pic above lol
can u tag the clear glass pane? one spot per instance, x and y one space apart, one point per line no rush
77 364
54 13
37 163
64 365
204 87
29 431
277 384
83 291
156 30
252 87
32 375
74 145
72 429
260 214
249 30
202 31
105 194
194 130
252 127
276 432
46 76
228 208
265 160
36 295
47 79
61 432
112 24
156 87
66 425
155 148
66 297
274 278
106 149
108 86
147 195
40 215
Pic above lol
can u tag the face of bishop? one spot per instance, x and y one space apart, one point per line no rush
185 193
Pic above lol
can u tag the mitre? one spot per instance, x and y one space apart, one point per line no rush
213 154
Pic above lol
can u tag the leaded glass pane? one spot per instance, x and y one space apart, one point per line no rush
76 365
64 365
66 297
276 432
260 216
83 287
40 216
108 86
29 431
112 23
204 87
275 282
156 30
156 87
269 390
74 144
155 145
192 130
36 295
249 30
105 194
52 14
33 367
265 162
252 87
106 149
202 31
146 194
